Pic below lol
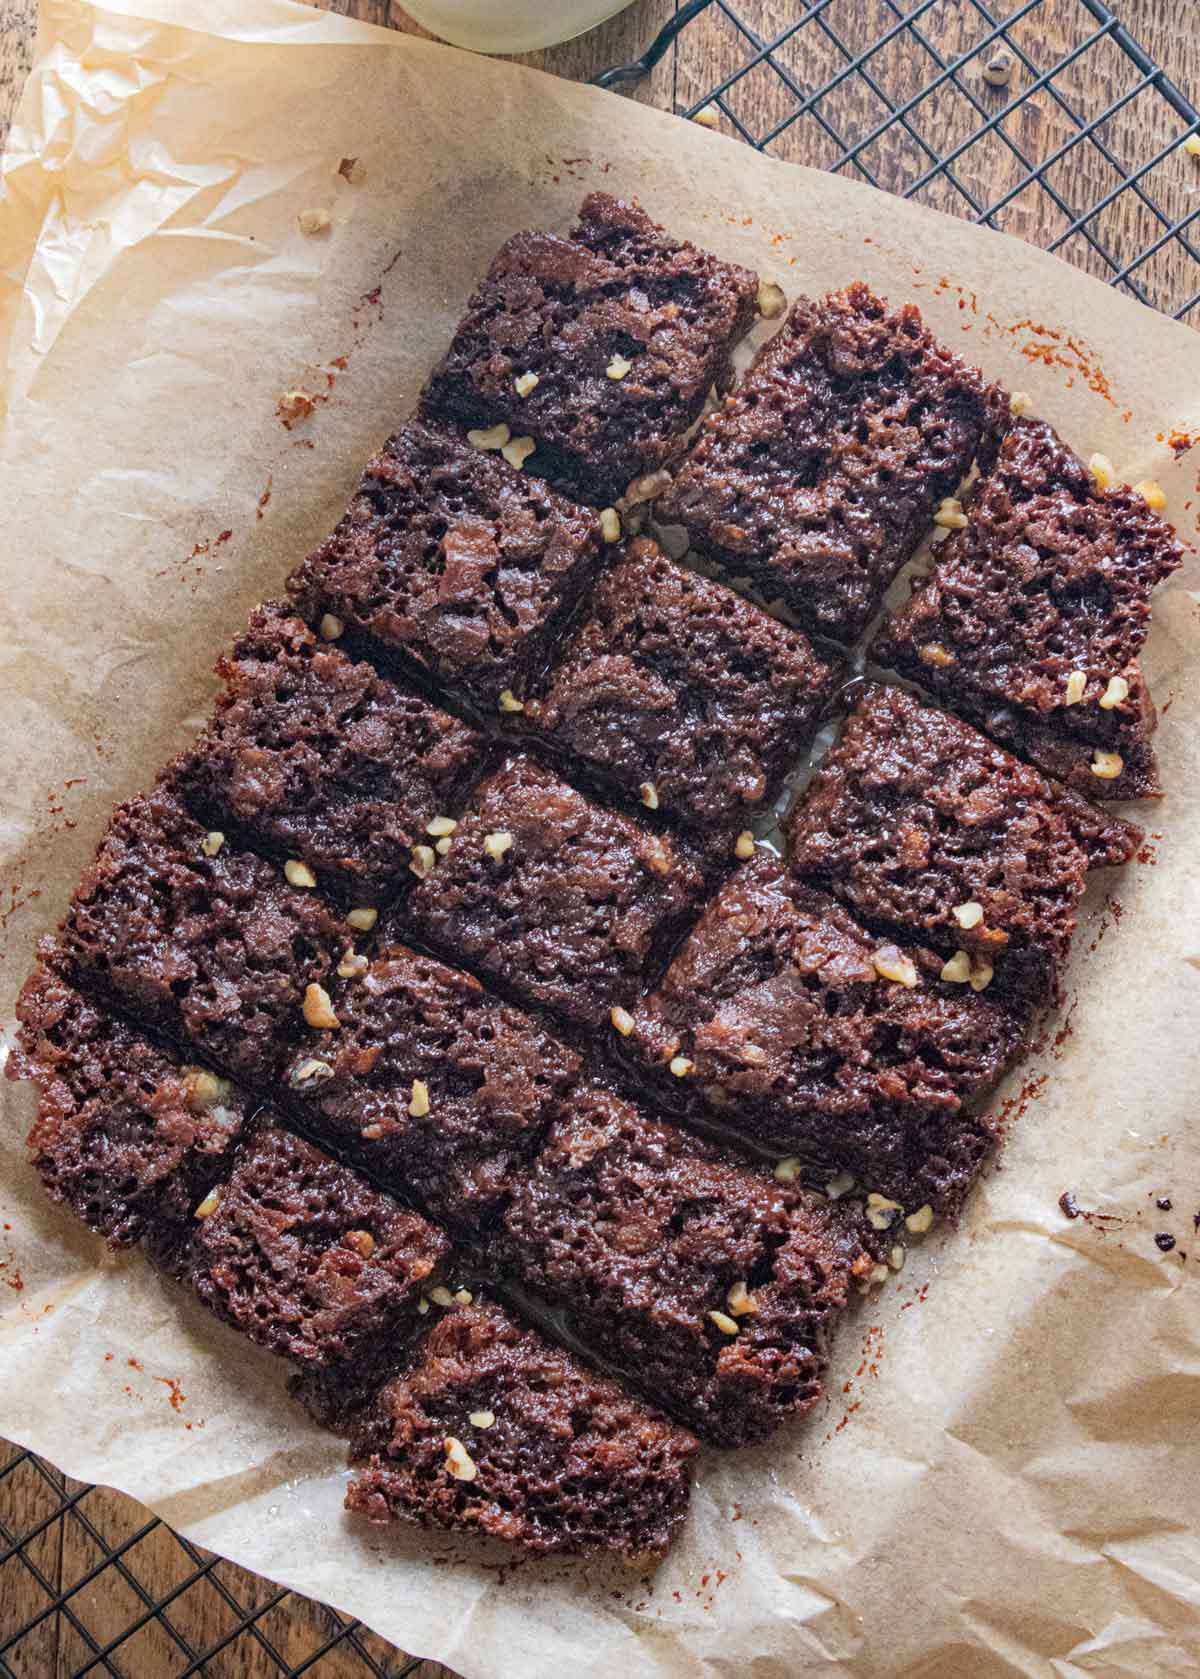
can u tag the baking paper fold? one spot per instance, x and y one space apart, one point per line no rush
1004 1479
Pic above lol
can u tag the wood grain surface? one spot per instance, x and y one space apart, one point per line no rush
208 1608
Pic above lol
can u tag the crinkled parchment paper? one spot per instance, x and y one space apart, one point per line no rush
1004 1478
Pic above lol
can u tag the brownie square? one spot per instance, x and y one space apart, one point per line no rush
493 1430
437 1088
822 472
127 1135
564 903
778 1015
925 830
623 332
679 691
305 1258
715 1289
1035 612
206 942
455 563
313 756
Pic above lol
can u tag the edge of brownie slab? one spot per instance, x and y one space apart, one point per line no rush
678 690
615 292
316 757
491 1429
925 829
775 1016
712 1287
822 472
1049 580
453 564
128 1135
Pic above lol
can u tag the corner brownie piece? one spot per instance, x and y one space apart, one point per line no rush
215 949
926 830
711 1286
822 472
437 1088
454 562
315 757
493 1430
623 331
305 1258
776 1014
566 903
1035 612
127 1136
678 690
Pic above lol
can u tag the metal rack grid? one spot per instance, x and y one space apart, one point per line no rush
890 91
1079 149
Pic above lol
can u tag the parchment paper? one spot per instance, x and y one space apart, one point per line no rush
1004 1479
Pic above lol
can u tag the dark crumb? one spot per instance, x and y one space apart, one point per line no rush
1164 1240
1163 1203
1069 1205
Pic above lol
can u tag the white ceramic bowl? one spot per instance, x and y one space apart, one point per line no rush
510 25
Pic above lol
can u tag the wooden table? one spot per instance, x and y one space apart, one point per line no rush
157 1564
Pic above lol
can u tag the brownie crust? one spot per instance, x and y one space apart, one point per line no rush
774 1014
679 690
454 563
925 830
821 474
311 755
1035 613
558 1458
566 904
127 1135
616 293
713 1288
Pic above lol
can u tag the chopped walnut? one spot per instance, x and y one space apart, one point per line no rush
440 826
618 367
441 1295
1076 687
495 845
423 860
968 915
509 702
740 1302
648 794
743 845
723 1321
525 383
651 484
295 405
788 1170
890 963
1107 765
313 221
920 1221
331 626
297 873
459 1461
839 1186
881 1212
1102 470
518 450
482 1419
362 920
957 971
771 300
1116 692
708 118
933 653
1152 493
981 974
418 1105
1020 403
361 1241
950 515
491 437
680 1066
309 1071
318 1010
212 842
610 524
352 169
352 965
622 1020
209 1204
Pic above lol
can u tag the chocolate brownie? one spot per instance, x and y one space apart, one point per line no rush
1034 615
315 757
305 1258
437 1088
798 1028
455 563
682 693
206 942
715 1289
822 472
927 831
567 904
492 1430
601 347
127 1135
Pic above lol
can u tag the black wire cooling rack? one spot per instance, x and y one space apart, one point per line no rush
1044 118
